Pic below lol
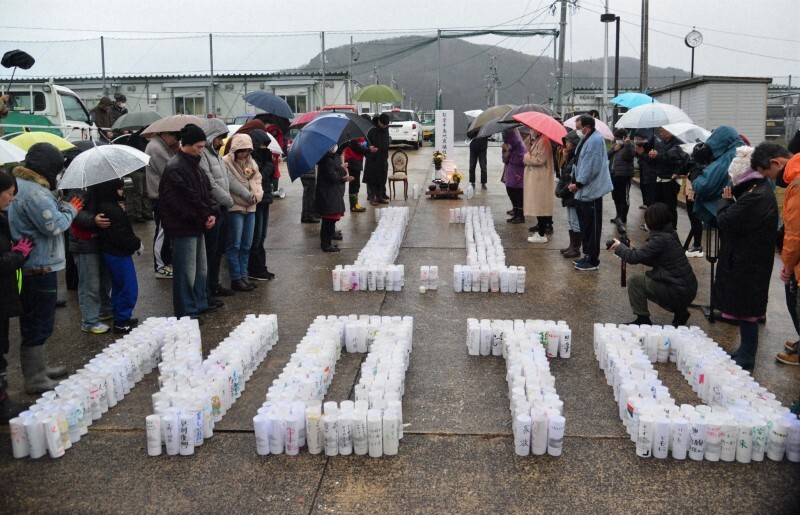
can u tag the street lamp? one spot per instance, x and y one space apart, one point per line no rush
609 18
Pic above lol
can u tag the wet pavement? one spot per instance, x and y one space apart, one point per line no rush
458 453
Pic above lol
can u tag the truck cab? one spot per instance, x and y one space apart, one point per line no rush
47 107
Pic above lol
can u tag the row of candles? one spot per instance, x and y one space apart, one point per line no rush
374 269
195 393
60 417
536 409
294 414
739 421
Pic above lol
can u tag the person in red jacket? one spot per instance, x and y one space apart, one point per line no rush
354 157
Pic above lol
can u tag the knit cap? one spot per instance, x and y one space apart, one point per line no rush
740 166
192 134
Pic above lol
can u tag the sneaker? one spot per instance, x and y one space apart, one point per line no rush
537 239
98 328
165 272
221 291
106 316
643 227
125 327
587 266
790 346
788 358
581 260
263 276
695 252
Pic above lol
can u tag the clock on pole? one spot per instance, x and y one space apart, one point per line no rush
693 40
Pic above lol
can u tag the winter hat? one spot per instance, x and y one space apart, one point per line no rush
46 160
259 138
740 166
192 134
572 137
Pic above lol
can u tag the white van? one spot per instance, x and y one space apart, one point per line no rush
47 107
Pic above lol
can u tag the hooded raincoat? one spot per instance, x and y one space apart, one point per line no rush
723 142
246 174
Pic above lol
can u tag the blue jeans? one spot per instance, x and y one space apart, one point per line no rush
240 239
94 288
572 219
124 286
38 297
258 254
189 276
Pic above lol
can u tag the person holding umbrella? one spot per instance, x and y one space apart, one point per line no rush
376 167
329 195
538 186
188 211
161 149
40 216
668 159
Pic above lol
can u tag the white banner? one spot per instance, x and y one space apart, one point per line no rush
444 131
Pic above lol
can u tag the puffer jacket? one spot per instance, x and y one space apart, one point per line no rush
669 158
514 159
246 174
790 255
329 193
621 161
213 166
10 262
160 154
747 234
83 238
185 197
672 275
723 142
37 214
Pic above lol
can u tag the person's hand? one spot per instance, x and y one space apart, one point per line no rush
349 178
24 246
210 221
617 147
785 275
572 187
726 192
639 150
373 149
76 202
653 154
614 245
101 221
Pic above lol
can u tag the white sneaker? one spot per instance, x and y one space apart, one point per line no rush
537 239
695 252
165 272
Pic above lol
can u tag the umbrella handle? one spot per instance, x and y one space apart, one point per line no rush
12 79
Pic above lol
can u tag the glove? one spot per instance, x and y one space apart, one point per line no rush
77 203
24 246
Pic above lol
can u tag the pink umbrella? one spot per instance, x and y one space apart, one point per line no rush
304 118
599 126
543 124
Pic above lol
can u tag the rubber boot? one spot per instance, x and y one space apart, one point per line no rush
54 371
566 249
34 370
575 248
8 408
354 206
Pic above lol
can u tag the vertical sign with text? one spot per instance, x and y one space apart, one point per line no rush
444 131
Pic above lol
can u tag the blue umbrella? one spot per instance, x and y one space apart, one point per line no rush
631 99
270 103
319 135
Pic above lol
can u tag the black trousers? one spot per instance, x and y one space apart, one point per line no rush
621 195
516 196
476 158
326 232
309 185
648 193
667 192
590 216
696 232
354 167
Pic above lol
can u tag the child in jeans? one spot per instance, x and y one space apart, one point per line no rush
117 244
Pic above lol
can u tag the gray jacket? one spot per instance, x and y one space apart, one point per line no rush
159 153
214 167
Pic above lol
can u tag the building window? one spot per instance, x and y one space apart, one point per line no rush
190 105
298 103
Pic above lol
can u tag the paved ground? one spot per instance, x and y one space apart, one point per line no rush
458 455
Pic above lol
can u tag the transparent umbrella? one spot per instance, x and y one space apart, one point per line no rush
10 153
102 164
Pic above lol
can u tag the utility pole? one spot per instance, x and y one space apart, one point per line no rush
492 82
322 58
213 88
349 91
562 26
439 69
643 64
605 68
102 63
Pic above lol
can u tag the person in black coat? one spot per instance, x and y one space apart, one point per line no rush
747 215
118 243
376 166
668 159
12 257
671 282
643 143
567 165
620 157
329 196
257 265
477 155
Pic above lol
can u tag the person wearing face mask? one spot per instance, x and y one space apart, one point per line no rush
620 157
329 195
538 185
567 165
766 159
747 217
591 181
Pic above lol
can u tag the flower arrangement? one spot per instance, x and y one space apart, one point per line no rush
438 157
457 177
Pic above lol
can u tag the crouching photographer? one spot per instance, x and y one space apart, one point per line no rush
670 283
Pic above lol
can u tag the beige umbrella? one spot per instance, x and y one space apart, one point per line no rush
172 124
489 115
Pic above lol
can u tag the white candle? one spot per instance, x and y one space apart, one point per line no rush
390 439
555 435
153 430
19 439
522 435
375 433
54 444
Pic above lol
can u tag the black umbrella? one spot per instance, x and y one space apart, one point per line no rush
507 120
17 59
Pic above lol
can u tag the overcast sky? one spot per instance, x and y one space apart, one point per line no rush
740 37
